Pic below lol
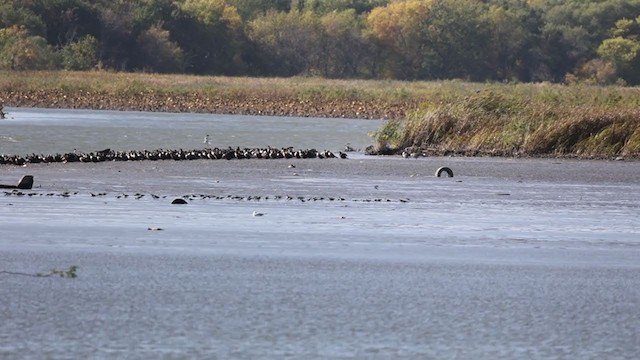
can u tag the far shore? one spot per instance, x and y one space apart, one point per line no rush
426 118
300 97
201 103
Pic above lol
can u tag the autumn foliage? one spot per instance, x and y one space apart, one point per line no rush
573 41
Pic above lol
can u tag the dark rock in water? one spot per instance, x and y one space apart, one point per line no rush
25 183
378 149
179 201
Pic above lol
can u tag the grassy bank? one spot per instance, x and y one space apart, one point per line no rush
182 93
448 117
521 120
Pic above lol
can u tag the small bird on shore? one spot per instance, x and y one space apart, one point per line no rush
206 139
255 213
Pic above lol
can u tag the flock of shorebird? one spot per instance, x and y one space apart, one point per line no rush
179 154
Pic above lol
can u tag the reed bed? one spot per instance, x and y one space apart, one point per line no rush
565 122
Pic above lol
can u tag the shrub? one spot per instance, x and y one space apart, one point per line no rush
21 51
158 53
81 55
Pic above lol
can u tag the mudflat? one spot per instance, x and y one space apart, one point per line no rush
172 176
366 257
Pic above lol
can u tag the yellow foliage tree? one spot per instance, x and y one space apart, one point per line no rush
397 26
623 50
212 12
21 51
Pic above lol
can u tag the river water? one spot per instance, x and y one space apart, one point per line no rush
27 131
369 257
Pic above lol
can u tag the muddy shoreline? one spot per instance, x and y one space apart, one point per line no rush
239 104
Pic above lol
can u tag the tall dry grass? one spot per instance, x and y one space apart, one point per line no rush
587 122
134 83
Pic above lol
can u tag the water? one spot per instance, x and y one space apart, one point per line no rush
27 131
370 257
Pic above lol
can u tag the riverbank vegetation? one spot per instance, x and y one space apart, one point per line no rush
515 120
295 96
430 117
572 41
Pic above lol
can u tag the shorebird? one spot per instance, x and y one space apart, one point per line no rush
206 139
255 213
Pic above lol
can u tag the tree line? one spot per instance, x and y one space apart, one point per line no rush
592 41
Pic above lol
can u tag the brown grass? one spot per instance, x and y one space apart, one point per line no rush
502 123
299 96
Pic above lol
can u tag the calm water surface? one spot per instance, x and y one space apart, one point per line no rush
365 258
27 131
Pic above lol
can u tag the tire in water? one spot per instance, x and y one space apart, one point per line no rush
444 170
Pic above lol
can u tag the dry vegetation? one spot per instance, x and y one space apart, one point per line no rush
298 96
445 117
521 120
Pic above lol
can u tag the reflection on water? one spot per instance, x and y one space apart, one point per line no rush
27 131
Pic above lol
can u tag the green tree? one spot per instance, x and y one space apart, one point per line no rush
433 39
288 43
149 13
455 41
81 55
346 50
117 35
14 14
211 34
250 9
573 30
327 6
157 53
66 20
513 48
